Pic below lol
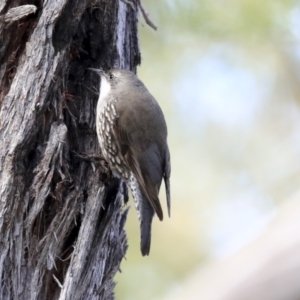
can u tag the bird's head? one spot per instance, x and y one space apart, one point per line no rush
116 77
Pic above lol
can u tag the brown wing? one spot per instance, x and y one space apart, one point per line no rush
144 180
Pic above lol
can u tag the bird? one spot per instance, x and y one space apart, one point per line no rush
132 135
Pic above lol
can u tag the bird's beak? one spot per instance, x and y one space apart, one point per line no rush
98 71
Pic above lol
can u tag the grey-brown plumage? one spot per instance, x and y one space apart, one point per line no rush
132 134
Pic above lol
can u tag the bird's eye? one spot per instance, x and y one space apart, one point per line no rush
111 76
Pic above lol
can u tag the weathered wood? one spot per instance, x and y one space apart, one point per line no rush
16 13
61 219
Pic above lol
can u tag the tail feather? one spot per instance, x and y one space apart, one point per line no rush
167 174
145 213
167 185
145 227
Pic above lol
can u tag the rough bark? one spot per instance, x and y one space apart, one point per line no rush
61 214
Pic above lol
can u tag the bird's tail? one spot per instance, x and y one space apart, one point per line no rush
145 213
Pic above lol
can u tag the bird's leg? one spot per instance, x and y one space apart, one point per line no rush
97 159
90 157
93 158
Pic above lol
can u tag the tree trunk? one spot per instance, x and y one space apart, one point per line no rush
61 216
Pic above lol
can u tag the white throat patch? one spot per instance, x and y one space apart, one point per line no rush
105 89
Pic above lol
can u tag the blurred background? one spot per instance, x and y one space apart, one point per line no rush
227 76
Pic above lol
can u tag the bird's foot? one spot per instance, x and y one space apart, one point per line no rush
97 159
